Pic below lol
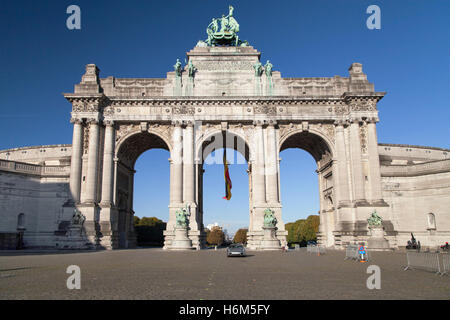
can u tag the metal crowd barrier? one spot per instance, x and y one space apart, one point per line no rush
352 253
446 263
315 249
424 261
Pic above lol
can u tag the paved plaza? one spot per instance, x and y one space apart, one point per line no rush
209 274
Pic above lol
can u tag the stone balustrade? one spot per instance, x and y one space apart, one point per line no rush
431 167
33 169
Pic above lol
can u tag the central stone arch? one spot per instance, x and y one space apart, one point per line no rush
213 140
321 148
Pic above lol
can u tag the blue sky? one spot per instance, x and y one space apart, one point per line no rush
409 58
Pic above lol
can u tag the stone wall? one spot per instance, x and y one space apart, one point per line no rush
416 185
8 240
39 193
49 155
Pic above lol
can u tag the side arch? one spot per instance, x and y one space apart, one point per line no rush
322 149
136 142
324 138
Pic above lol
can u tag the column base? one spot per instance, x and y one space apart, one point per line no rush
269 240
181 240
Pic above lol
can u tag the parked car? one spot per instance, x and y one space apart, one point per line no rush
311 243
236 249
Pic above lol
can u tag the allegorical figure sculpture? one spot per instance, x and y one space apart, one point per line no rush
258 69
177 68
268 69
78 218
227 33
191 69
375 220
182 218
269 219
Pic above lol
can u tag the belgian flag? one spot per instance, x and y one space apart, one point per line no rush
226 176
226 172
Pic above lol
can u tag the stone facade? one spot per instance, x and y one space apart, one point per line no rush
334 119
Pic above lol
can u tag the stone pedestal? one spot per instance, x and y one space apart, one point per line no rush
269 240
181 240
377 242
74 239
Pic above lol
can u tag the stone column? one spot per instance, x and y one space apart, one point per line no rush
92 167
116 161
172 184
272 165
258 170
75 161
250 194
108 165
177 166
341 179
109 213
374 163
357 168
189 174
188 163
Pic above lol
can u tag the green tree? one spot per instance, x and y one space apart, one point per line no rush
310 228
240 236
215 236
303 230
149 231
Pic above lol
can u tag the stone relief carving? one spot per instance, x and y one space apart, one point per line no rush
108 111
124 129
87 105
139 82
183 110
327 129
365 105
162 130
363 137
224 65
85 139
265 110
340 109
84 106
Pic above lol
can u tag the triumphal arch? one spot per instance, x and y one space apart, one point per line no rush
224 88
225 92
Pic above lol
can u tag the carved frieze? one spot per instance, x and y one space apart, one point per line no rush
87 104
224 65
340 109
363 105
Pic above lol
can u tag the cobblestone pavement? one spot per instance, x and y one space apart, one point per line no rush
209 274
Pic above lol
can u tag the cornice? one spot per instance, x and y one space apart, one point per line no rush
348 96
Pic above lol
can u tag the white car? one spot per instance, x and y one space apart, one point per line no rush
236 249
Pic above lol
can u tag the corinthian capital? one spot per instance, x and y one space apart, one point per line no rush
108 123
76 121
92 121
